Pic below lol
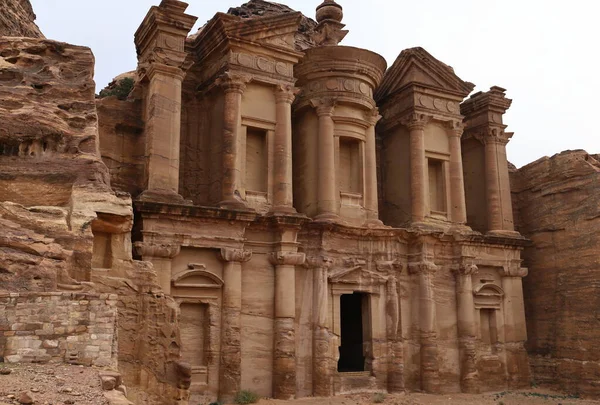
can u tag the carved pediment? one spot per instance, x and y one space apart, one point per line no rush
197 277
415 66
356 275
488 295
275 30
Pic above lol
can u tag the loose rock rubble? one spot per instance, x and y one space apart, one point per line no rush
48 384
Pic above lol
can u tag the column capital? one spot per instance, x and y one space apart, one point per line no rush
510 271
415 121
235 255
286 93
372 116
233 83
425 267
493 135
389 266
160 250
323 106
465 269
287 258
174 72
455 128
324 262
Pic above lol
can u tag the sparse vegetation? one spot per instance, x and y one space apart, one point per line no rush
379 398
246 397
121 89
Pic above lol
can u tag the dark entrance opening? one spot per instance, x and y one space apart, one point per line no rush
351 320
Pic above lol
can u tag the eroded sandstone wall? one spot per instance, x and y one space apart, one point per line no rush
557 200
17 19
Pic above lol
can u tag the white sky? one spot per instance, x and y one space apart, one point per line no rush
546 53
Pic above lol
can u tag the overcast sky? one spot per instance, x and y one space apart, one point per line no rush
544 52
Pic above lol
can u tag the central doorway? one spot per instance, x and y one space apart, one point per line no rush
352 358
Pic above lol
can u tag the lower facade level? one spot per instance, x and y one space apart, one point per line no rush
287 307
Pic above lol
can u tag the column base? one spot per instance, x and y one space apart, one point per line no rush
283 209
233 205
505 234
163 196
374 223
327 217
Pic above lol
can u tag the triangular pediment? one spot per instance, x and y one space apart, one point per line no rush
275 30
416 66
356 275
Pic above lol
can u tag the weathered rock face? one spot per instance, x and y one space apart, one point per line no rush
557 200
52 180
17 19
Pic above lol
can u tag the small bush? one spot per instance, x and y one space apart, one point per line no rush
216 403
121 89
379 398
246 397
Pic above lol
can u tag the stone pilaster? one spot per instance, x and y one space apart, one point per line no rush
233 86
371 198
230 372
160 42
484 121
327 191
457 184
418 166
515 329
161 256
323 359
284 356
425 270
465 307
283 198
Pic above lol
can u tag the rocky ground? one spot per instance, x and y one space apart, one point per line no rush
50 384
529 397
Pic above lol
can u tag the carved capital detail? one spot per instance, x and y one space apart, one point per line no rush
149 250
233 83
372 116
323 262
323 106
287 259
389 266
509 271
235 255
286 93
416 121
455 128
465 269
493 135
425 267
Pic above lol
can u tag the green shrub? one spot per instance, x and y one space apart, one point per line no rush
246 397
121 89
379 398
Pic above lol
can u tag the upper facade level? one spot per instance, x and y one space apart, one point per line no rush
265 111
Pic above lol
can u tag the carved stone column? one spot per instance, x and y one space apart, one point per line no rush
160 43
469 379
457 183
161 256
233 87
323 360
283 197
429 348
230 372
418 166
395 380
327 191
284 358
515 329
371 197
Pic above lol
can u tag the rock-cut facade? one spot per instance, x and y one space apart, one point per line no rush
323 224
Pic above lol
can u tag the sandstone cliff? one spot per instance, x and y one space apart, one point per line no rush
17 19
558 204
